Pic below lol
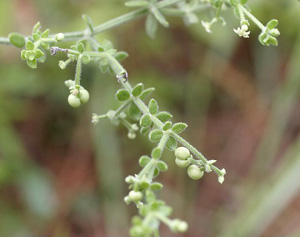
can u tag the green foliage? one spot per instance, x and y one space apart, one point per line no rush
153 122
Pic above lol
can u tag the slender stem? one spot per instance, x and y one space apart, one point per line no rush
242 16
120 20
76 35
218 12
159 125
147 168
253 18
189 146
163 141
180 12
4 40
122 108
114 63
163 219
78 71
125 123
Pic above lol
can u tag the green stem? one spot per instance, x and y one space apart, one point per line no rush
120 20
242 16
125 123
253 18
189 146
73 36
180 12
78 71
122 108
147 168
218 12
159 125
4 40
163 219
114 63
163 141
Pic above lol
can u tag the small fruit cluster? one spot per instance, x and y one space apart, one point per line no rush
78 95
184 159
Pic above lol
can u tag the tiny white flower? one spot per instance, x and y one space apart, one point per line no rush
134 127
221 179
242 31
206 26
131 135
95 119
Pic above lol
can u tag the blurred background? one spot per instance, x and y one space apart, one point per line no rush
61 176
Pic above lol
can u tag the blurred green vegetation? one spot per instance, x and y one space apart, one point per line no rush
61 176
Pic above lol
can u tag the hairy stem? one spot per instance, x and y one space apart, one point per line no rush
159 125
253 18
76 35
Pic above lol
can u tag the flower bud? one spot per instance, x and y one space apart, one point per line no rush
131 135
74 101
84 96
135 196
59 36
182 153
194 172
182 163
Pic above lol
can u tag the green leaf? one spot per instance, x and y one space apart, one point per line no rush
179 127
137 90
23 54
164 116
80 47
103 67
32 64
137 3
30 55
153 107
134 112
270 40
144 160
36 27
167 126
151 26
29 45
155 135
156 153
162 166
121 55
89 22
144 184
159 17
17 40
38 53
144 131
85 58
101 49
234 2
36 36
45 46
171 144
272 24
122 95
45 34
146 93
107 45
145 121
156 186
156 172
